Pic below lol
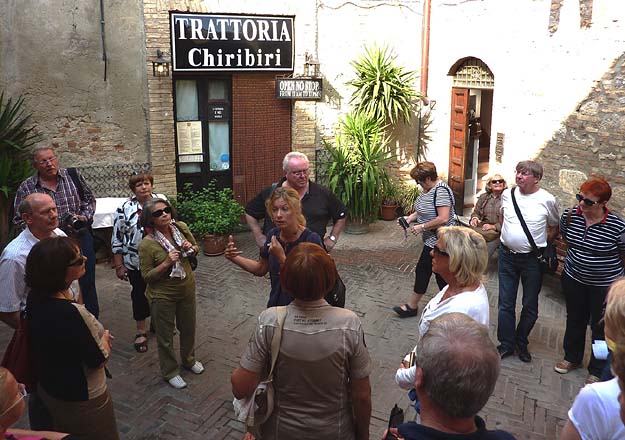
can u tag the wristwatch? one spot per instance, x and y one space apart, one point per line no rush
333 238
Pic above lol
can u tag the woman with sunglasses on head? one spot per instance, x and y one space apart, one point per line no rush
68 344
125 241
594 237
460 258
285 209
433 208
485 215
164 258
12 405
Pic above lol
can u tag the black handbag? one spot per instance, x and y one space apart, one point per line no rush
547 257
336 296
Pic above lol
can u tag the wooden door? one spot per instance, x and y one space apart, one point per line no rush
457 144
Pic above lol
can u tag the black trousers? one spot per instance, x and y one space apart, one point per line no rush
583 303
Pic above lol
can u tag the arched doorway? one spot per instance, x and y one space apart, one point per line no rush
471 120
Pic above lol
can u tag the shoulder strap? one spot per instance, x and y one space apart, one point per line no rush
523 225
567 222
276 340
452 210
73 173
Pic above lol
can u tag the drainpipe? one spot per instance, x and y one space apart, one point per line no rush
425 50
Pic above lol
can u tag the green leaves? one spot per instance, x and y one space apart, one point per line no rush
208 211
355 169
383 89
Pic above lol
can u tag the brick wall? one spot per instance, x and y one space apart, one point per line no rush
261 133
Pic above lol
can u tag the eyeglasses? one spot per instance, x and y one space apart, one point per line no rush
300 173
46 161
159 212
587 202
21 389
79 261
497 181
439 251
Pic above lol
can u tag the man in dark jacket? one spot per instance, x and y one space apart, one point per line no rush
457 368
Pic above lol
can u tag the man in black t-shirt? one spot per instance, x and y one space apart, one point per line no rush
319 204
457 369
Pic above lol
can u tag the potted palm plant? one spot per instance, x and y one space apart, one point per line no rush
211 215
355 168
16 136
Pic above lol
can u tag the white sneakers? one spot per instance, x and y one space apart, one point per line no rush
177 382
196 368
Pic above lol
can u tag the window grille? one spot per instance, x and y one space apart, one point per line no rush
474 74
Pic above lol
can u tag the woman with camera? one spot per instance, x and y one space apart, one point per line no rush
321 375
285 209
125 241
433 209
460 258
594 237
164 258
70 346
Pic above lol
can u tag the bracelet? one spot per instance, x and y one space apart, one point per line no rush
423 228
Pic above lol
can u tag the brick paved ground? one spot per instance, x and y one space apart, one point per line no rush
530 400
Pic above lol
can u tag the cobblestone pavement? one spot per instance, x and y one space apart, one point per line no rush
530 400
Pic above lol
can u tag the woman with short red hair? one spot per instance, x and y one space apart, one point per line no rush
594 236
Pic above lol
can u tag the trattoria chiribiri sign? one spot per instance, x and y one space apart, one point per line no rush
206 42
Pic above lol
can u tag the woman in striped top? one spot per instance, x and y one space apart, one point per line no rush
595 239
433 208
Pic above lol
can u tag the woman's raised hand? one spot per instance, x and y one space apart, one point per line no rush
276 249
172 257
231 249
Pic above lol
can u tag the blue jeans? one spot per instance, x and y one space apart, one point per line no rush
87 281
512 269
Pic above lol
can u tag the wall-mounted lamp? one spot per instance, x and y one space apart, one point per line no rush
160 66
311 67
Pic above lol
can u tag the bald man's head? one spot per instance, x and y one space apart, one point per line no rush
39 213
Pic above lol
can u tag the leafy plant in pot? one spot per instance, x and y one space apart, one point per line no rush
355 167
391 194
211 215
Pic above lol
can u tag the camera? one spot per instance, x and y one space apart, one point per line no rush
402 221
68 220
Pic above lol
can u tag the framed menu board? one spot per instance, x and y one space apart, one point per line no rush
189 137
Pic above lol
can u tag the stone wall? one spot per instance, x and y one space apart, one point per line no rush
558 93
52 54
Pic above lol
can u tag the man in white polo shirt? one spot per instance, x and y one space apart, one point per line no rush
40 215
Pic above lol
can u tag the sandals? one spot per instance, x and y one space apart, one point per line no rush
406 313
141 347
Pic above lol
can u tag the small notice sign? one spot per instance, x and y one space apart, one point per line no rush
299 88
189 137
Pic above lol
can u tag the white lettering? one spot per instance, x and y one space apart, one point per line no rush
249 30
278 57
211 34
284 33
236 23
192 52
196 29
263 31
229 56
181 23
222 26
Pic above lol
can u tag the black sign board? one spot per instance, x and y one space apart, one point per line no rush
221 43
298 88
218 112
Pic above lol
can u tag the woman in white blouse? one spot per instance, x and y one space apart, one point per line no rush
460 258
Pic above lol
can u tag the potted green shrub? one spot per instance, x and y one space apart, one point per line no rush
391 195
355 168
211 215
408 193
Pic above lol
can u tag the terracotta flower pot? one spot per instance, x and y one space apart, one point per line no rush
214 244
388 212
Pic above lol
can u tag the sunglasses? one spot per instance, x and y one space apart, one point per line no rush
496 181
587 202
81 259
21 389
159 212
440 252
